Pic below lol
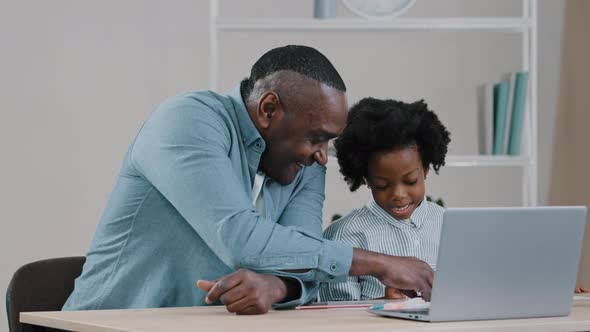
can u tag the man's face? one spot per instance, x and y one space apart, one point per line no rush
300 135
396 179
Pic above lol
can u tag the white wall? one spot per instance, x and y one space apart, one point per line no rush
551 20
77 78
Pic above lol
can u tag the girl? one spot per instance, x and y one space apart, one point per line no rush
389 146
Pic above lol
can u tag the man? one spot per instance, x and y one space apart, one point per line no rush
213 184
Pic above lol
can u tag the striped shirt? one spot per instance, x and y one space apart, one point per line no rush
372 228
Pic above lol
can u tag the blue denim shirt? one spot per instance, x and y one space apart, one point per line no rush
181 210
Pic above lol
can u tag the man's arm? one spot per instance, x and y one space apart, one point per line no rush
183 151
304 213
246 292
304 210
408 274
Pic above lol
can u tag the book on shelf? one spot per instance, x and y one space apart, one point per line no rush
485 118
501 94
501 114
510 78
518 110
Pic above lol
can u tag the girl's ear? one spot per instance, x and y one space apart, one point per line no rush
366 182
426 172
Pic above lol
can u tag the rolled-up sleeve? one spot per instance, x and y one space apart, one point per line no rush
182 150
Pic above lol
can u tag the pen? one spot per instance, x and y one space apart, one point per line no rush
341 304
389 306
334 306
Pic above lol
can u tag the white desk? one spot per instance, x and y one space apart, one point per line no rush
218 319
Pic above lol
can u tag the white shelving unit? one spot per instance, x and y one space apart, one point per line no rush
493 24
526 25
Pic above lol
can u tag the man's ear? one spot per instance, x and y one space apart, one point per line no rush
269 109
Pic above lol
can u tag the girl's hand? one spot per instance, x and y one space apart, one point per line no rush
581 289
393 294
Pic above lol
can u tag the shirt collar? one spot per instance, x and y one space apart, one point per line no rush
247 128
417 217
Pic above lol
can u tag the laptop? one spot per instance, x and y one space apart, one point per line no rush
502 263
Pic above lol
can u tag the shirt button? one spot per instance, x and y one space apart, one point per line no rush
258 145
333 267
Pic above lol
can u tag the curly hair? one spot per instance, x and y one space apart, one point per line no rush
386 125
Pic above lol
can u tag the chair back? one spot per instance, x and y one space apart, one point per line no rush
40 286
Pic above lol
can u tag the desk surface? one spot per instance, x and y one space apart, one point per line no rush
218 319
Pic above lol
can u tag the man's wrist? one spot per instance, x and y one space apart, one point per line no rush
289 291
366 262
285 289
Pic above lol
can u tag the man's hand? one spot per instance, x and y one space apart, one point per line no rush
407 274
245 292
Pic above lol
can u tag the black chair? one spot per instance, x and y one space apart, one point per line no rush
40 286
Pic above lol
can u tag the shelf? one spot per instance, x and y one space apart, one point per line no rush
484 160
470 161
525 25
516 24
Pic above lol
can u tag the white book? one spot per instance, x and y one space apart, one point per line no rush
485 101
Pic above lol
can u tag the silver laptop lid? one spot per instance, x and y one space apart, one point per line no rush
496 263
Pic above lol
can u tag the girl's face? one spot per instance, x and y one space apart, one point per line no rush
396 179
